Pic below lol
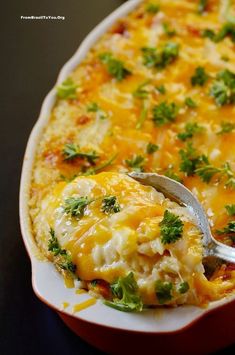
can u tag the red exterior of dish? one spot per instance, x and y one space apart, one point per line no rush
214 331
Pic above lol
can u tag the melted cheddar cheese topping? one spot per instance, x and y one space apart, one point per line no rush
155 94
107 245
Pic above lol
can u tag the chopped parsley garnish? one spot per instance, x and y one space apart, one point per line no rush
227 171
161 58
169 53
152 8
190 129
190 102
228 30
190 160
220 92
164 113
136 163
142 117
229 229
200 77
172 175
94 107
207 171
67 90
168 31
207 33
161 89
183 287
96 169
141 92
226 127
125 295
171 228
68 265
114 66
202 5
72 151
75 206
110 205
151 148
53 244
149 56
230 210
223 88
163 291
63 259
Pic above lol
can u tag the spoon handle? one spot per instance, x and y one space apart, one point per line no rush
179 193
222 251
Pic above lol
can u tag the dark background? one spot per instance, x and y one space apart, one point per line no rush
32 53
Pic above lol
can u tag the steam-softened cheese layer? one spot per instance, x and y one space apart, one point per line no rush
156 94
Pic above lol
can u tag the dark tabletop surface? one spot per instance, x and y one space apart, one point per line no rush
32 53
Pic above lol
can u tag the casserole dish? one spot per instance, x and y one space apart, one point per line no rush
102 326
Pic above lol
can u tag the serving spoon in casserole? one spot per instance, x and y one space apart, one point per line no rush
213 251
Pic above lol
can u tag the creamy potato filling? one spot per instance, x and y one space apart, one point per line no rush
157 94
111 228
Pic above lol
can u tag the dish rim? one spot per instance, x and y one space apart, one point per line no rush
28 161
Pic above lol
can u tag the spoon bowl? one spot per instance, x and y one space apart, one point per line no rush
214 251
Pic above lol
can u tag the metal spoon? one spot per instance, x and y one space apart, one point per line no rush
214 251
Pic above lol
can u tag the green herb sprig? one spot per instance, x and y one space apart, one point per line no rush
208 171
67 90
170 32
226 127
136 163
229 229
223 88
63 259
163 291
75 206
190 102
200 77
72 151
115 67
142 117
110 205
191 160
227 30
171 228
202 6
164 113
230 209
125 295
183 287
190 129
152 8
141 92
160 58
152 148
94 107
